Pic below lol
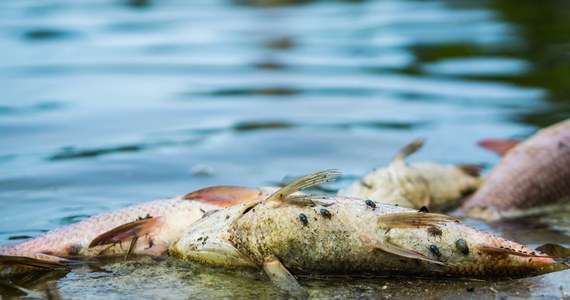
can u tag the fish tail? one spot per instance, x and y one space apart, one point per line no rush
13 261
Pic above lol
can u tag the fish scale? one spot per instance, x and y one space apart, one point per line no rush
175 213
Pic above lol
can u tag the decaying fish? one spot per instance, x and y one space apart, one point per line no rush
432 185
328 235
533 176
148 228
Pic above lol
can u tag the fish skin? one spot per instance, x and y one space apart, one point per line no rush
172 215
532 176
244 235
436 186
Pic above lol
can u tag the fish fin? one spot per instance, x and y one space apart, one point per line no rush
280 276
131 247
125 232
499 146
504 251
9 289
52 292
408 149
473 170
304 183
413 219
225 196
403 252
559 252
47 264
309 200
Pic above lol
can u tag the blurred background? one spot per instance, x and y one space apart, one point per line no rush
107 103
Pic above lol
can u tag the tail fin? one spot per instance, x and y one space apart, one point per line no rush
409 149
304 183
38 261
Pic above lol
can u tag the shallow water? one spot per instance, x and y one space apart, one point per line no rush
110 103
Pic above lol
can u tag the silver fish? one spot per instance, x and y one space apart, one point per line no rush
328 235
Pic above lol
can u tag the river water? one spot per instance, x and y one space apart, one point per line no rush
105 104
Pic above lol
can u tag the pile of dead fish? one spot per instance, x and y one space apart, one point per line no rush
380 224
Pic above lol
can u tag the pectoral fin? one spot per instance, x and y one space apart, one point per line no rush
403 252
125 232
280 276
413 219
304 183
225 196
504 251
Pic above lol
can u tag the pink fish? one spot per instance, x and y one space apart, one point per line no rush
534 175
146 229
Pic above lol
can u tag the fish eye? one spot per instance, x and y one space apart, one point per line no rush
461 245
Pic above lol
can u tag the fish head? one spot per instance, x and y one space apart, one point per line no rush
207 240
456 249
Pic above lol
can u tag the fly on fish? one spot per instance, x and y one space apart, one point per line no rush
383 241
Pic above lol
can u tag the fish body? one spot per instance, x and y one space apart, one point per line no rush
533 176
436 186
354 237
153 226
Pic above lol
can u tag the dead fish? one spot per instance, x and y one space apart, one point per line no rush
13 262
286 234
436 186
146 229
532 177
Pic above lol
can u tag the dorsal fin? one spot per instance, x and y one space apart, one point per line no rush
499 146
408 149
224 196
304 183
